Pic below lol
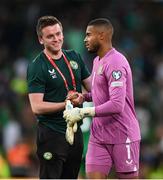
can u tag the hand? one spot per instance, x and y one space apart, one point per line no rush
72 95
78 100
72 115
75 98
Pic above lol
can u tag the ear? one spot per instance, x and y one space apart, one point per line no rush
101 35
40 40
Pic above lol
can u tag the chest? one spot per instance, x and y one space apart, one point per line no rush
99 79
57 77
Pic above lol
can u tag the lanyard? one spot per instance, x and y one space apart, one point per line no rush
63 77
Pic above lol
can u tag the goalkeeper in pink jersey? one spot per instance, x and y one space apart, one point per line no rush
115 133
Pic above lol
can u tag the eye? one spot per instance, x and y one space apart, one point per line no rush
88 34
58 33
49 36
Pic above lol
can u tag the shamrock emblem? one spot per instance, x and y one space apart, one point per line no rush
47 155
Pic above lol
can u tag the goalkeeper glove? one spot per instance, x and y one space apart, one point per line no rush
70 131
87 112
71 128
76 114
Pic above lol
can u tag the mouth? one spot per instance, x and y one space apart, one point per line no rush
56 44
87 45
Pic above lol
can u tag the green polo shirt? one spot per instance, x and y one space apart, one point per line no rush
42 77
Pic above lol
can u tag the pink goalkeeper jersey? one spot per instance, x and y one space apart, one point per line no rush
112 94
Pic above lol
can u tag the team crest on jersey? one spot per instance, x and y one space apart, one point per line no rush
117 74
47 155
52 73
74 64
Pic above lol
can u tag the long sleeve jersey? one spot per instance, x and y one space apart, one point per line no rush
112 94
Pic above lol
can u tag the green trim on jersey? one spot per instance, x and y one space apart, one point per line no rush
42 77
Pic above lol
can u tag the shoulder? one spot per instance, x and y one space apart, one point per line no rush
70 52
117 58
37 63
72 55
37 60
118 55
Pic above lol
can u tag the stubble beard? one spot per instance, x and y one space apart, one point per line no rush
94 49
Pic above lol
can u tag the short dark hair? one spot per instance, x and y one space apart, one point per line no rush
101 22
46 21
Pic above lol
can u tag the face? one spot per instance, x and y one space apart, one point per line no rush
92 39
52 38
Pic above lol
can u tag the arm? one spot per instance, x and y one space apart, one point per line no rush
112 106
116 83
36 80
87 85
86 82
42 107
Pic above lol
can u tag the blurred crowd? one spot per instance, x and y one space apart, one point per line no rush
138 27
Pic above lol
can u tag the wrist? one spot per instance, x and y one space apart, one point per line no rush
87 111
64 103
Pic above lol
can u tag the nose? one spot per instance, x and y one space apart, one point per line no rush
55 38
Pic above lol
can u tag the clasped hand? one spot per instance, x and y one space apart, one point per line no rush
75 98
71 116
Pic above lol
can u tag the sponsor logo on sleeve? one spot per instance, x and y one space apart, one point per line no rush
117 74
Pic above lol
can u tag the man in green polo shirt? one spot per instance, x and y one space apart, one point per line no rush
51 76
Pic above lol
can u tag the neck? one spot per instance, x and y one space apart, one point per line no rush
53 54
104 50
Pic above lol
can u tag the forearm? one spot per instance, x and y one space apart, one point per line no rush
47 107
39 106
110 107
115 103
